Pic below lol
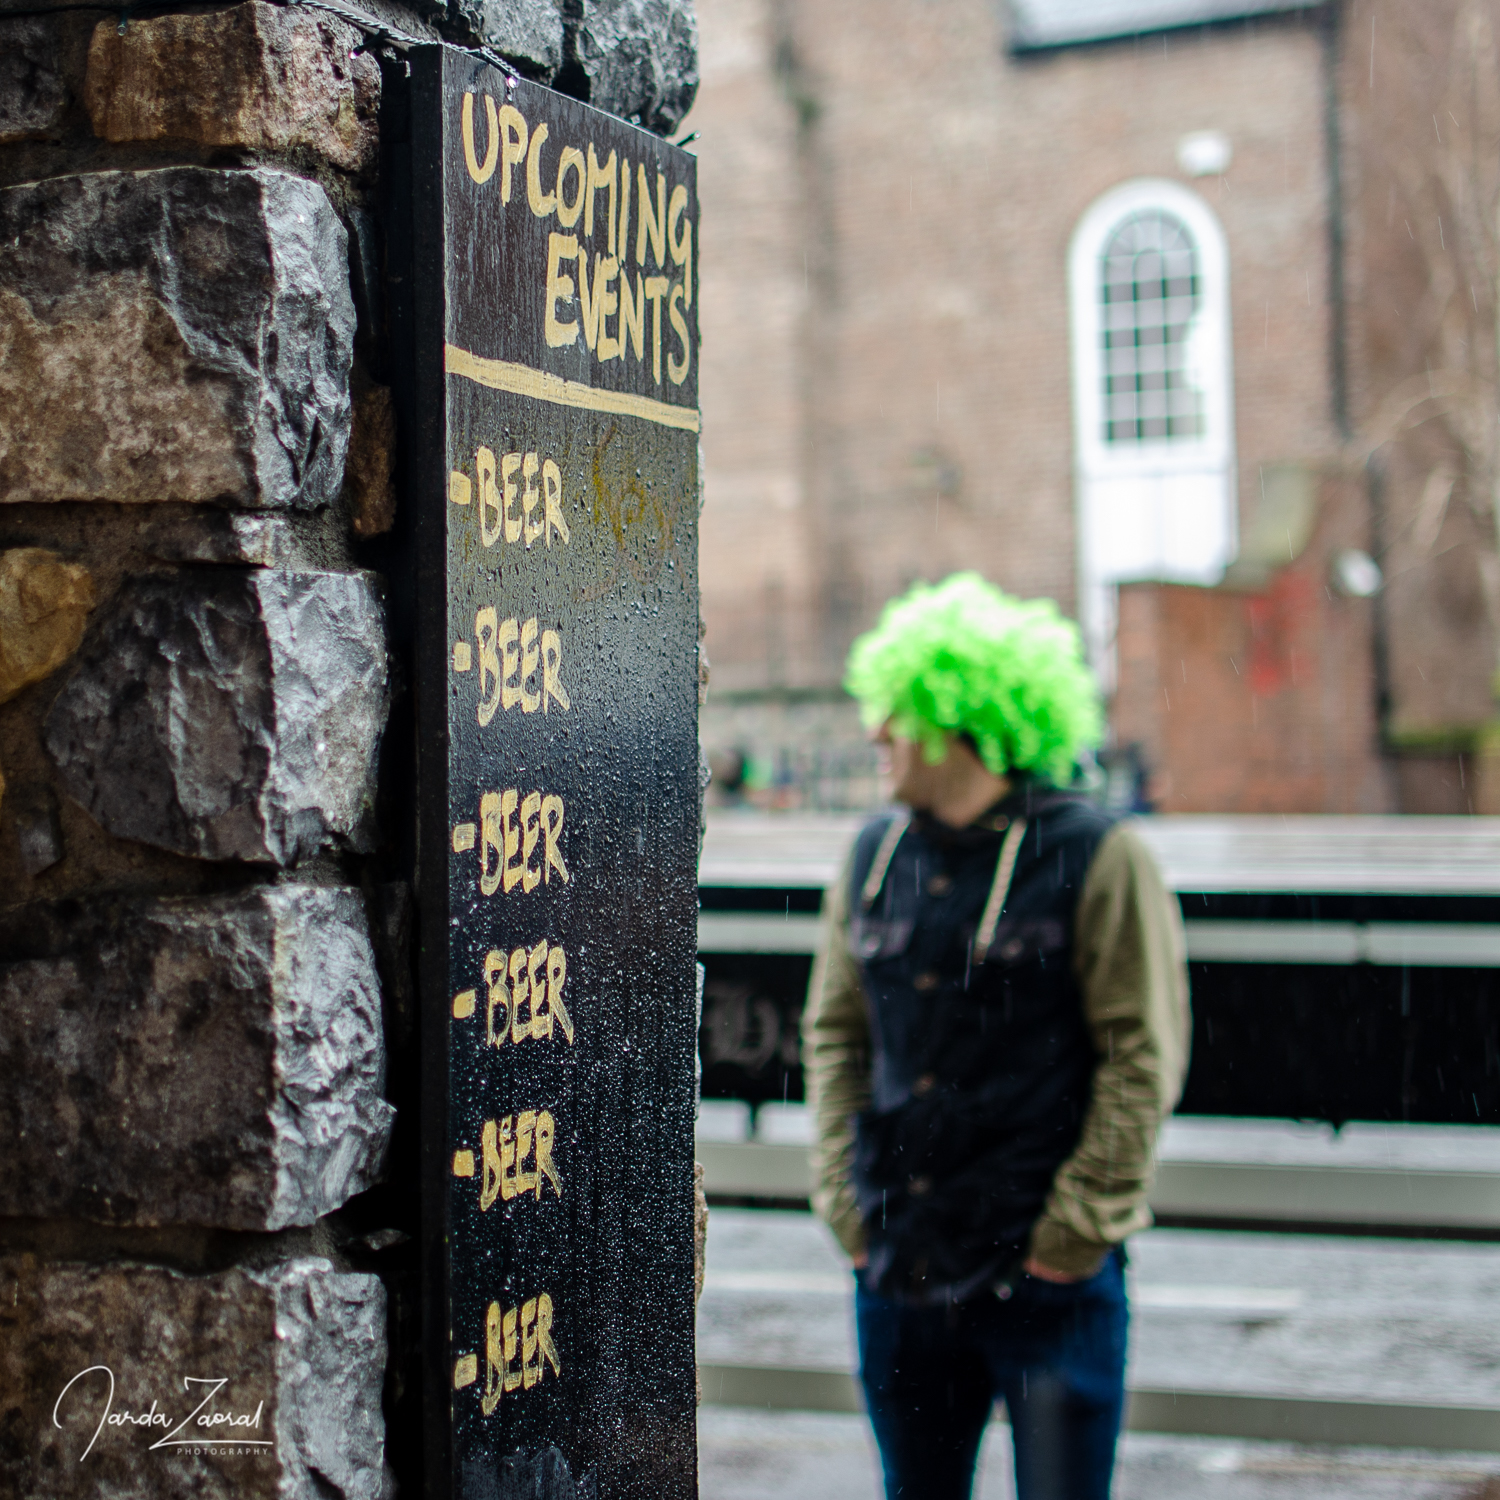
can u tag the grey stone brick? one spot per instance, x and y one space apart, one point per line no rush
528 32
208 1061
181 334
217 536
228 713
640 57
33 89
300 1349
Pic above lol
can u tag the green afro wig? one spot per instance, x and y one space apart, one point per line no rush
960 657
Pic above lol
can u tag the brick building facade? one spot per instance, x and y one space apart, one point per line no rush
895 386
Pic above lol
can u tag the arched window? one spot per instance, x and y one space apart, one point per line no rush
1153 399
1148 294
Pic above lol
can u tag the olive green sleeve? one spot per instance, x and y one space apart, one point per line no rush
836 1066
1130 959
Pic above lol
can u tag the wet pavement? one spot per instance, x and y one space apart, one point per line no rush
1288 1316
756 1455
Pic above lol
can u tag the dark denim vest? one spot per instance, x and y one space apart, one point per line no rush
980 1072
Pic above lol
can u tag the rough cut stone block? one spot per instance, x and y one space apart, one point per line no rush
44 605
218 536
264 77
39 835
181 334
640 56
33 91
214 1061
528 32
300 1350
229 713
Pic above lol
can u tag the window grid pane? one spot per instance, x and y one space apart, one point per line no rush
1149 290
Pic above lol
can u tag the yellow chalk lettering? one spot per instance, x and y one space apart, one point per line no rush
494 1360
653 224
463 837
534 961
491 1180
552 689
531 829
520 992
463 1004
481 173
463 1164
622 242
541 204
546 1133
531 1364
490 839
544 1332
557 973
600 177
677 369
513 867
497 998
463 656
552 500
680 239
530 496
525 1330
570 160
512 1376
589 306
510 662
489 497
485 629
656 288
552 817
633 314
459 488
560 247
507 1167
530 660
607 301
510 466
465 1371
525 1126
512 145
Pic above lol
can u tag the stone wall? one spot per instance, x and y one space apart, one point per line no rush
207 1215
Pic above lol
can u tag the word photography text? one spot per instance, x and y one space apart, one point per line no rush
196 1430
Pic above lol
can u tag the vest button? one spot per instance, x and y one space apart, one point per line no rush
924 1085
927 981
939 885
919 1187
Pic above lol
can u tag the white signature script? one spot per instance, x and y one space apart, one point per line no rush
238 1422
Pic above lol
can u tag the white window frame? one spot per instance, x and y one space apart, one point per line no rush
1168 464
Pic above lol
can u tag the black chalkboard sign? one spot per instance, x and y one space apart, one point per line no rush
555 467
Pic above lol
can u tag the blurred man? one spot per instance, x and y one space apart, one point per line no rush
995 1032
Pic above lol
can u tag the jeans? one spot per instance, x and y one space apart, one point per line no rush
1054 1353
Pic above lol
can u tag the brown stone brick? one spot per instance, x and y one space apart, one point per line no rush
44 603
182 334
265 77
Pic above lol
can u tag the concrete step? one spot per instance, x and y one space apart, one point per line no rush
1441 1177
